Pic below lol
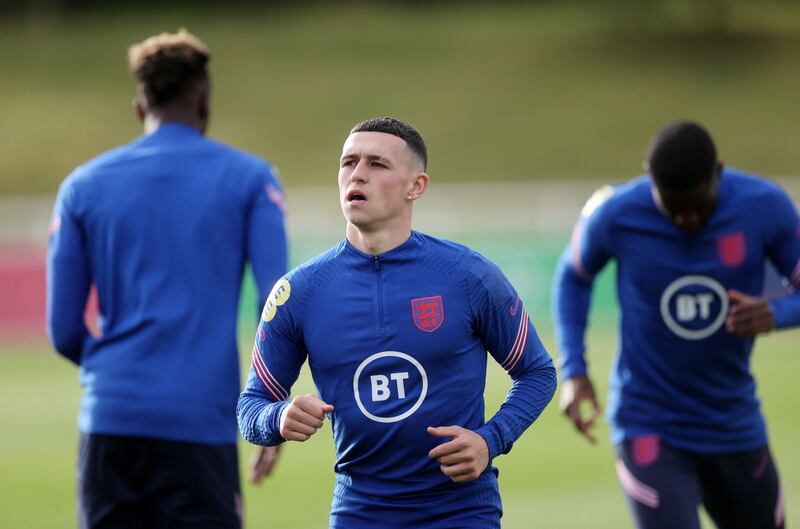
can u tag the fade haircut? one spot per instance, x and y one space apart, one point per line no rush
398 128
168 65
682 156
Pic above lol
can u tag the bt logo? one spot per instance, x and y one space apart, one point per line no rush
380 386
389 386
691 306
694 307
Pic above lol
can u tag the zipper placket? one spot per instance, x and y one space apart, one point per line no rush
379 284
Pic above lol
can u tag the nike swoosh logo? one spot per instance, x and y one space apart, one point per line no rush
513 310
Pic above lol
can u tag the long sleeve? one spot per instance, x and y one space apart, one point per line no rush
531 391
267 247
782 226
584 257
506 331
572 296
68 278
278 355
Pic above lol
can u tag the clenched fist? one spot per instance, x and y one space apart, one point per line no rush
303 417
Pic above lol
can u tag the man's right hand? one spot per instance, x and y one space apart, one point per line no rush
574 391
303 417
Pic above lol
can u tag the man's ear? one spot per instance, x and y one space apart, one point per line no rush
419 186
140 107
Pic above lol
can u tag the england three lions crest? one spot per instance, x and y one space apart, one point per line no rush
732 249
428 313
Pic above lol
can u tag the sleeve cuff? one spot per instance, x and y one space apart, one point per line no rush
572 368
489 433
272 422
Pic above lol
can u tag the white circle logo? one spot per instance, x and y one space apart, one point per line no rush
390 386
696 299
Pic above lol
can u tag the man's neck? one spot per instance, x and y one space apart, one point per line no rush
153 121
377 242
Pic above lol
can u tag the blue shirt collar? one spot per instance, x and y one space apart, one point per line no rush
407 249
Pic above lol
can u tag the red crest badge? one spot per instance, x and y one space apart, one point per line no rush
428 313
732 249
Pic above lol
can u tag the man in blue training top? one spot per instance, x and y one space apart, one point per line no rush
395 325
690 240
163 227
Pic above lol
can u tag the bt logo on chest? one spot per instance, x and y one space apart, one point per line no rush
694 307
389 386
380 386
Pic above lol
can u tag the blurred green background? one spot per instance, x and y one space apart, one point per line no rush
500 91
556 93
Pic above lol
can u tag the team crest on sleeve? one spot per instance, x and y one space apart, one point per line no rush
597 199
278 296
428 313
732 249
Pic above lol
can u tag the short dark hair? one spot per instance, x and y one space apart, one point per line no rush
681 156
398 128
168 65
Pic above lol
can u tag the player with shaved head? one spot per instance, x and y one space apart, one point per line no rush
395 326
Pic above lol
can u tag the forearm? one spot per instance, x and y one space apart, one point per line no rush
259 419
787 310
67 291
527 398
571 301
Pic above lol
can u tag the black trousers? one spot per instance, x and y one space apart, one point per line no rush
666 485
139 482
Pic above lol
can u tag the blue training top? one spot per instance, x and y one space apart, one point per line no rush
679 373
163 226
396 343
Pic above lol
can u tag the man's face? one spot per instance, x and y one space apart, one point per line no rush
689 209
377 173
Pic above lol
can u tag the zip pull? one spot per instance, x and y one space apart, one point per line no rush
377 262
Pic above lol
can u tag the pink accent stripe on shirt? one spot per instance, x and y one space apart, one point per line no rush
636 489
266 377
278 386
795 279
519 344
575 250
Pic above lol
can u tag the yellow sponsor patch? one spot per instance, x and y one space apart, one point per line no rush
597 199
278 296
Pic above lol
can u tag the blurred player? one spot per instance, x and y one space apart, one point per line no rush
395 325
163 226
690 240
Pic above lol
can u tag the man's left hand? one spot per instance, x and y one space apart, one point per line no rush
464 457
749 316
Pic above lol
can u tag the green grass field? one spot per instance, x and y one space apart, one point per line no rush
552 478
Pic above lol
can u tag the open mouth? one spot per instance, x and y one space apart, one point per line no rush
356 196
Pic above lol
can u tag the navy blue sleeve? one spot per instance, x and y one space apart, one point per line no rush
68 277
266 234
502 323
782 226
585 256
278 355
